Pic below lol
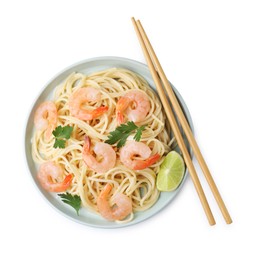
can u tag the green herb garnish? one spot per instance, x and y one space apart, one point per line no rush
73 200
61 135
138 134
121 133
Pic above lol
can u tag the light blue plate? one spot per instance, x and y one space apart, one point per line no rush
86 217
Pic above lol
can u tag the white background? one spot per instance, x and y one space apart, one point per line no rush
210 50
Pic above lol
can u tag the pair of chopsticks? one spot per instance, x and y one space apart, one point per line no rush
159 78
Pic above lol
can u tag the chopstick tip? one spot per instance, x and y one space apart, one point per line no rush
229 222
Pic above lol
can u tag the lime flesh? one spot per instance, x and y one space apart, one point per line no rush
171 172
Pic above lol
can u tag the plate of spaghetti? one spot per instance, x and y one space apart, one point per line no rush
95 139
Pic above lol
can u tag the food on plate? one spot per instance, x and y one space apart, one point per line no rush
100 139
171 172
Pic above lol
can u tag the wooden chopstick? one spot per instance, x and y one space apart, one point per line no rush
154 60
176 130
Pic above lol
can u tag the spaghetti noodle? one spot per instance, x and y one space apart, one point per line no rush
138 185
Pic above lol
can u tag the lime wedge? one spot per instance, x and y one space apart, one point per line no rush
171 172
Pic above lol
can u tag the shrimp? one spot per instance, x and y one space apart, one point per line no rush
50 176
46 117
107 153
123 205
81 97
135 104
132 149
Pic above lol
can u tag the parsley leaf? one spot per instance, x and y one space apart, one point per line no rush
121 133
128 127
138 134
73 201
61 135
60 143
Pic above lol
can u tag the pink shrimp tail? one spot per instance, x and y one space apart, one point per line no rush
105 191
103 204
86 146
63 186
99 111
140 165
67 181
121 106
119 118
